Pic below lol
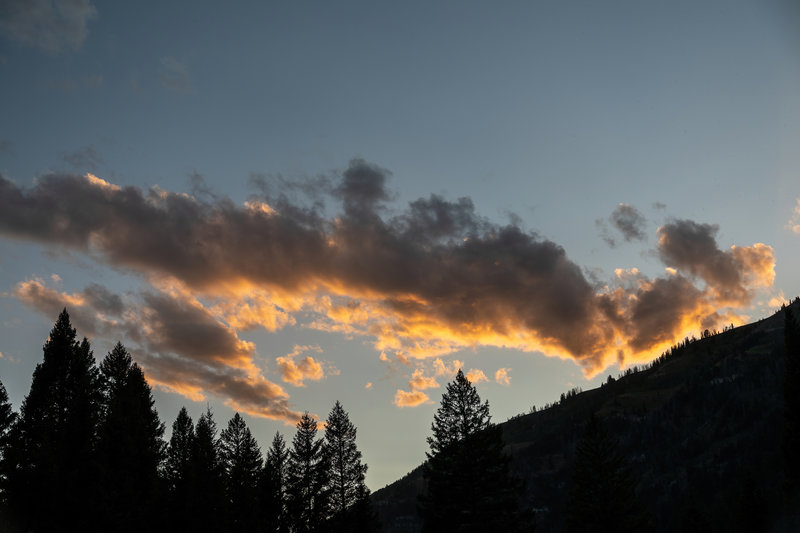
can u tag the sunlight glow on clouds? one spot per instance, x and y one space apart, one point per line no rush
419 285
502 377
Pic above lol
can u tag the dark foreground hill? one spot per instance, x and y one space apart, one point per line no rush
700 427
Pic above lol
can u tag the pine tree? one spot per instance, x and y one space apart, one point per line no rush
241 460
602 498
273 483
307 493
207 481
131 447
350 504
469 488
50 462
791 398
7 419
177 468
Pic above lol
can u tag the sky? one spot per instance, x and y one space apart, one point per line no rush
277 205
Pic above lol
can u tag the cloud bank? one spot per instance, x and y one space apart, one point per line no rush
420 283
51 25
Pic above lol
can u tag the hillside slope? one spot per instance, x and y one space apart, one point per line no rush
701 429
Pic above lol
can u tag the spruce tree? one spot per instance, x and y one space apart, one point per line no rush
350 504
51 471
469 488
273 483
7 418
131 447
207 481
241 460
307 492
177 468
602 498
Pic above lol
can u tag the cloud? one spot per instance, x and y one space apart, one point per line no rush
626 219
419 283
420 382
794 221
174 75
730 276
306 368
50 25
70 85
412 398
368 385
476 376
502 377
183 347
86 159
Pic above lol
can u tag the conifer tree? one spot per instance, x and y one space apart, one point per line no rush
602 498
131 447
7 418
207 481
273 483
241 460
469 487
791 398
177 468
307 493
50 463
350 504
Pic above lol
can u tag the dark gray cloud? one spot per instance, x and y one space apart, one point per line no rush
630 222
85 159
435 276
51 25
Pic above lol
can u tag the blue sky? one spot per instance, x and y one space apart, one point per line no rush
586 139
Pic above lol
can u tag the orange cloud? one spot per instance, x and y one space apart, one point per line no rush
297 372
502 377
413 398
420 382
476 376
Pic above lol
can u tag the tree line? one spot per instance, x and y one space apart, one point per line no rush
86 452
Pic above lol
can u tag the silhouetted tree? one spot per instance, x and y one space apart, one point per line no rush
177 469
468 483
7 418
241 460
51 471
307 493
207 481
350 505
791 397
131 446
602 498
273 482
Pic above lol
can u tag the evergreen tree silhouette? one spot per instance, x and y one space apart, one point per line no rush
7 419
241 460
307 493
177 469
791 398
207 481
273 482
469 488
52 472
350 504
131 447
602 498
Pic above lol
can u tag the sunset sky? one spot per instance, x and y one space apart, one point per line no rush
284 204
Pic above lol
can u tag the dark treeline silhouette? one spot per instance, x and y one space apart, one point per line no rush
86 453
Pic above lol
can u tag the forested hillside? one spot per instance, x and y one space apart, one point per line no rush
698 431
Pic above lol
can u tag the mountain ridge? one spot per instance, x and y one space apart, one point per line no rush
700 427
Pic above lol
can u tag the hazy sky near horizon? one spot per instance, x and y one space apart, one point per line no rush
278 205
